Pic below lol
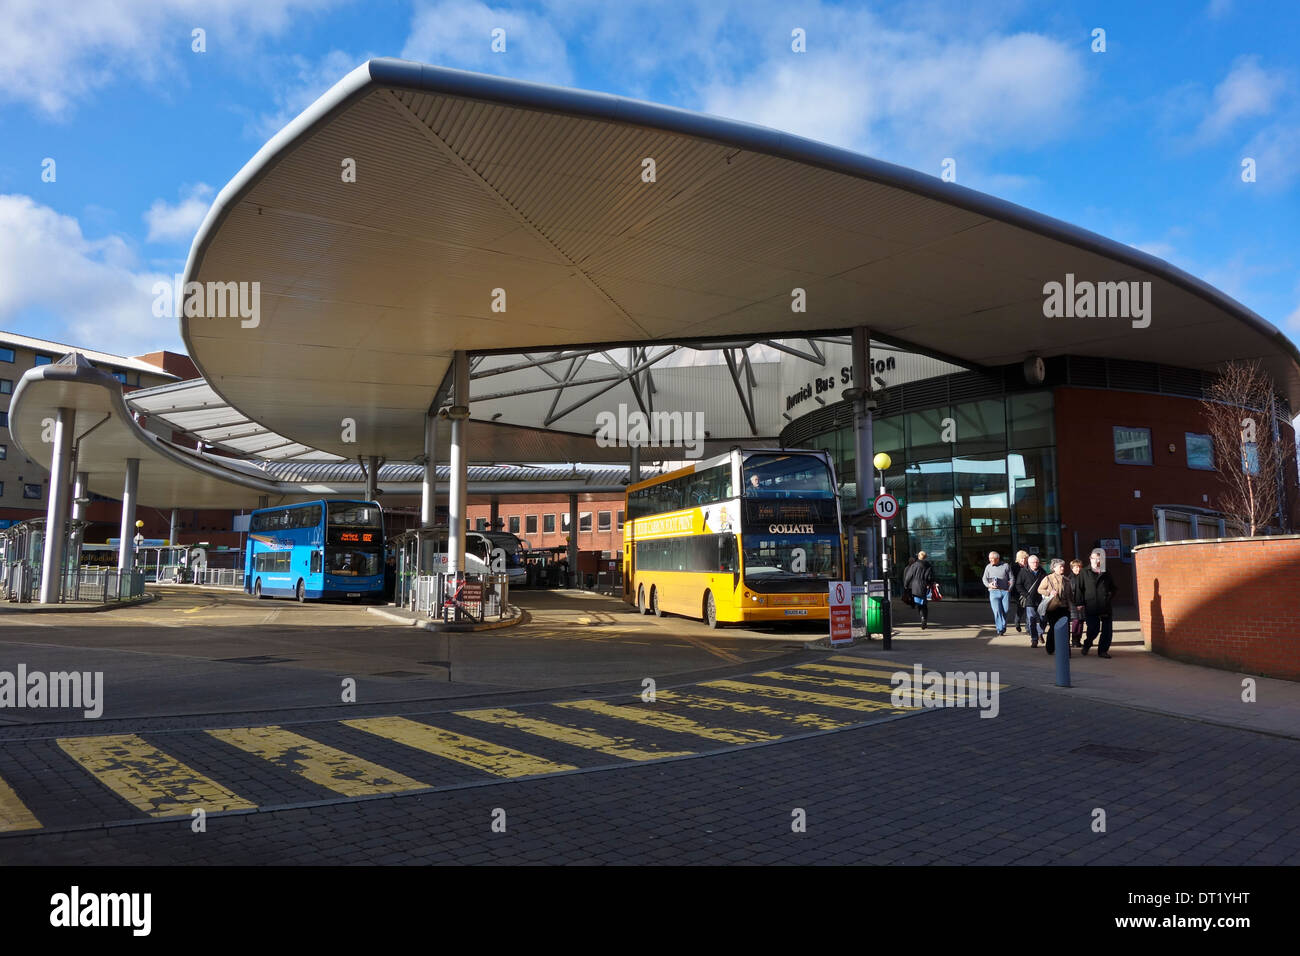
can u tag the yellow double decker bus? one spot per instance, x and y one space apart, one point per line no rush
752 535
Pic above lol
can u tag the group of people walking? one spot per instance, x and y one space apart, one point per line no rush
1054 605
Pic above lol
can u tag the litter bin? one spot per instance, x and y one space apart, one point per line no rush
875 611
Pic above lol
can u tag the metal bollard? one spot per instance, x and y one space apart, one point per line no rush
1062 654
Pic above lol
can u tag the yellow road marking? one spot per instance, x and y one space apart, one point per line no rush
578 737
327 766
793 693
893 665
820 681
14 814
665 721
192 610
715 651
489 757
853 671
816 721
147 778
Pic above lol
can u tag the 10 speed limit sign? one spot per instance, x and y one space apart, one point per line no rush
886 506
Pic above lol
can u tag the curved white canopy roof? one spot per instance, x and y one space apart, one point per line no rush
491 214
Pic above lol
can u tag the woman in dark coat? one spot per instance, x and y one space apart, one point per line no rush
917 580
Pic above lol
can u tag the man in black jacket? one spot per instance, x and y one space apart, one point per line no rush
1025 587
1095 590
916 584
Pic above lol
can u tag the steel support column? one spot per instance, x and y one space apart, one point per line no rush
459 472
864 448
56 515
636 464
173 529
372 477
80 492
429 483
494 513
126 544
573 541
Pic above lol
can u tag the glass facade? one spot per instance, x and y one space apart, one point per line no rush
970 478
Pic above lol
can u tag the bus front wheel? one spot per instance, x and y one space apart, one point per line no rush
300 593
640 599
654 603
257 589
710 616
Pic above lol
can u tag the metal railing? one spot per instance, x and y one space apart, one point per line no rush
472 597
102 585
219 577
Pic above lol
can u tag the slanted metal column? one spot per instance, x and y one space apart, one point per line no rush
636 463
80 492
126 545
459 473
429 484
573 541
56 514
864 446
372 477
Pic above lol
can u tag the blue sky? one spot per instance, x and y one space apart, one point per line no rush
1142 143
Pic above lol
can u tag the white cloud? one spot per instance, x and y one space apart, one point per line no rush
90 292
1248 90
54 54
459 33
1276 151
311 80
179 222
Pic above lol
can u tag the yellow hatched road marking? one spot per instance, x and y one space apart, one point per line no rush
816 721
820 681
14 814
873 673
864 686
848 659
327 766
851 671
794 693
480 754
147 778
579 737
674 722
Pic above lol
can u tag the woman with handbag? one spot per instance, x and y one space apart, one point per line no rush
1057 594
917 581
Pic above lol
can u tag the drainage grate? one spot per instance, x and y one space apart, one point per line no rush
399 674
255 660
1122 754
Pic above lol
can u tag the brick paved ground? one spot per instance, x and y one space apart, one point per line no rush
940 786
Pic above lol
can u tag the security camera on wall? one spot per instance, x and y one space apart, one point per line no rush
1035 370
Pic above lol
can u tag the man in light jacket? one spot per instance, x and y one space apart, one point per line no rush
997 578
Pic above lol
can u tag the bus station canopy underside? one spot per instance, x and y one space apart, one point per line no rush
414 211
109 429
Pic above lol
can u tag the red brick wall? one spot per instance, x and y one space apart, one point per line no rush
1229 603
593 540
1096 493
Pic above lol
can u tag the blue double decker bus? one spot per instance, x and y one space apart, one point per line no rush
316 550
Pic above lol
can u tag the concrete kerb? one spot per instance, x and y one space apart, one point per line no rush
514 615
146 598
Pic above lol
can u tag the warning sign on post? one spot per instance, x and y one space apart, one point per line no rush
841 597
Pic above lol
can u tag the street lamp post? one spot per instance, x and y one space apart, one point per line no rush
882 462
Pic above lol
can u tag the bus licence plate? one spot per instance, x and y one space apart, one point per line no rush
790 611
354 594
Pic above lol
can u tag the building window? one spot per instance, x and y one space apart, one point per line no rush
6 355
530 524
480 524
620 521
2 489
4 419
31 491
6 386
120 376
1250 458
514 524
602 521
4 452
584 522
564 522
1132 445
548 524
1200 451
44 359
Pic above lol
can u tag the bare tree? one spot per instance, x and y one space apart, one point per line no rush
1240 415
